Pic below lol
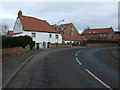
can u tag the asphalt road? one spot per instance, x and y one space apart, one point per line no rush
68 68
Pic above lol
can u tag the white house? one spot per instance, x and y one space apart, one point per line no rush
38 29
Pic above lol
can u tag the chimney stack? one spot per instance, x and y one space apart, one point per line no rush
20 14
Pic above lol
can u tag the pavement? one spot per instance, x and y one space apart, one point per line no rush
64 68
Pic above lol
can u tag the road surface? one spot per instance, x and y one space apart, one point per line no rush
67 68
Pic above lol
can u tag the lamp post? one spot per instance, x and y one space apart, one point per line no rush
60 21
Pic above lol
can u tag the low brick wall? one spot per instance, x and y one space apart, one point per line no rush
8 52
53 45
101 44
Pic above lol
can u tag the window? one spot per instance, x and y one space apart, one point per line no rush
101 35
57 37
33 34
50 35
72 29
62 28
71 34
94 32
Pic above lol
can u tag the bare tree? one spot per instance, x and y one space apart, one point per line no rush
4 29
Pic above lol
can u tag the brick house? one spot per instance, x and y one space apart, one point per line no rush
69 33
118 34
100 34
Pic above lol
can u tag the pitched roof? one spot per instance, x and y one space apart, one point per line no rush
10 33
98 31
34 24
74 38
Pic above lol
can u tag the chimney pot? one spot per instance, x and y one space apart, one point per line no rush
20 14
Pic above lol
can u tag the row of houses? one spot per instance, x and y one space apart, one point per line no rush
43 33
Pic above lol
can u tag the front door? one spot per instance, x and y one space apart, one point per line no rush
37 45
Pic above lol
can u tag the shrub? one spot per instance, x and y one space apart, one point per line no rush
21 41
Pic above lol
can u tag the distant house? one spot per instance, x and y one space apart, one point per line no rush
69 33
117 33
38 29
99 34
10 33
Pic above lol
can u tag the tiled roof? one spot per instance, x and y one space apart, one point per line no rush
74 38
98 31
34 24
10 33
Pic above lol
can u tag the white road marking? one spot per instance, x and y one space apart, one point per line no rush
78 61
76 54
99 80
79 51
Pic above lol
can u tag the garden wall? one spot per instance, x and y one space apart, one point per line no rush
8 52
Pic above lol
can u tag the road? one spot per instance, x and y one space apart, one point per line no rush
68 68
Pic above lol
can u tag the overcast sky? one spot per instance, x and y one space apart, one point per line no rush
81 14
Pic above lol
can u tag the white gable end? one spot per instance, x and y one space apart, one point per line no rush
18 28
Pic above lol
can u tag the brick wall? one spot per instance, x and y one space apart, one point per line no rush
8 52
53 45
101 44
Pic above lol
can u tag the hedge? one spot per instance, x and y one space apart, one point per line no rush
21 41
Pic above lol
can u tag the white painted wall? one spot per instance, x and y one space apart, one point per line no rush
18 26
42 37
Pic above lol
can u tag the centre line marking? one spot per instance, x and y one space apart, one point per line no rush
79 51
99 80
76 54
78 61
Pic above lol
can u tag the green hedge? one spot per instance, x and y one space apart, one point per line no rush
21 41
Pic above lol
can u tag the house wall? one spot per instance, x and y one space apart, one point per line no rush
69 30
18 26
111 34
42 37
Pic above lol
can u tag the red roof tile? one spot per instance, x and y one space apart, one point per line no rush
34 24
74 38
98 31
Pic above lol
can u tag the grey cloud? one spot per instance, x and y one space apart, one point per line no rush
82 14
